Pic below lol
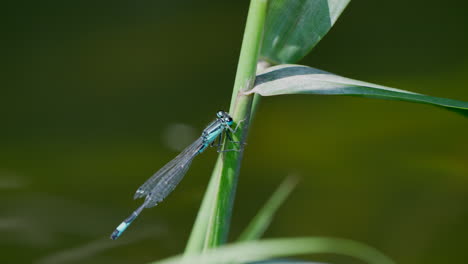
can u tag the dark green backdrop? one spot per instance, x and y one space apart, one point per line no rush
89 91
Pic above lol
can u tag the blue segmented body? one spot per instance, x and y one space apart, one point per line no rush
164 181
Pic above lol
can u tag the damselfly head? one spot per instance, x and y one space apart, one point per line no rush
228 120
225 117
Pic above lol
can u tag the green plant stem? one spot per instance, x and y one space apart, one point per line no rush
212 224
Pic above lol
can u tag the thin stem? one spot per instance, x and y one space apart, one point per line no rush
212 224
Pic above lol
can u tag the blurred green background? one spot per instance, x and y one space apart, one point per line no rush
94 92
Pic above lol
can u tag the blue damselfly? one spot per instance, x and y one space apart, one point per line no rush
163 182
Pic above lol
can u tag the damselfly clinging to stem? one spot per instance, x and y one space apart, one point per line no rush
163 182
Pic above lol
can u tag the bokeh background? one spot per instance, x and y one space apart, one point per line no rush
96 96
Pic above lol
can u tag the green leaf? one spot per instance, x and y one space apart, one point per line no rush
285 261
298 79
262 220
294 27
275 248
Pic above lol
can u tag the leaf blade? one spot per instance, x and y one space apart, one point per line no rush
274 248
298 79
285 261
294 27
262 220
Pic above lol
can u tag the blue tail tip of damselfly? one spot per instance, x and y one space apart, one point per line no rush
115 234
119 230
